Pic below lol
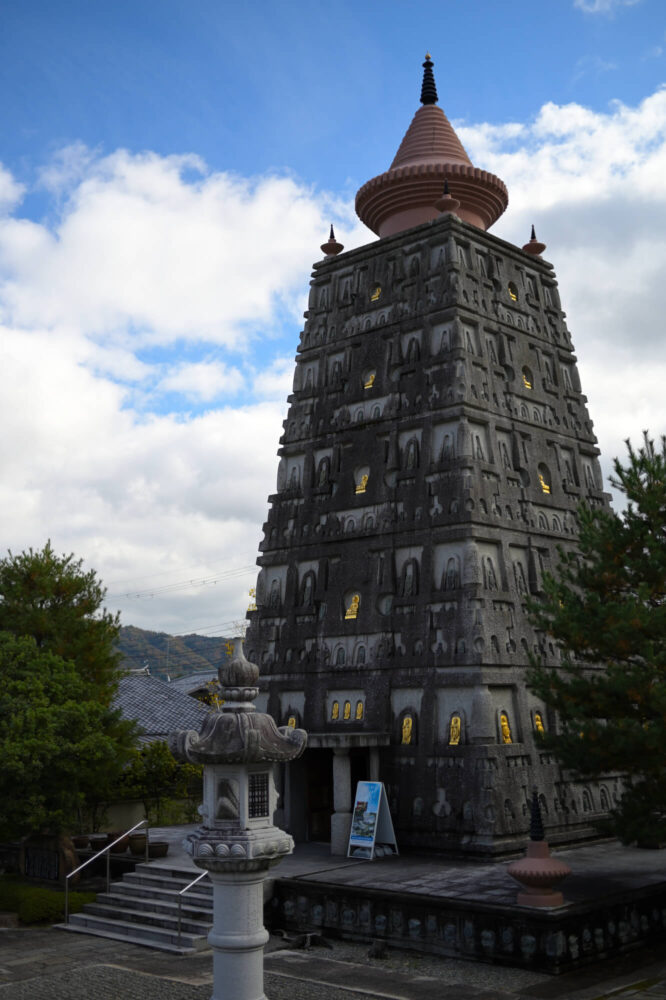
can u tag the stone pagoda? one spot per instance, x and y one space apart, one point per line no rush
435 450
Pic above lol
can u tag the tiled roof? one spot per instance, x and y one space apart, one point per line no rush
194 682
158 707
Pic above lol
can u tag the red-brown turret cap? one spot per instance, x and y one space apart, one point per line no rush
430 153
331 247
534 246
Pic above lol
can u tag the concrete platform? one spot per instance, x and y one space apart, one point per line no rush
615 901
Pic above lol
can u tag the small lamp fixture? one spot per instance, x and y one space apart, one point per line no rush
534 247
331 248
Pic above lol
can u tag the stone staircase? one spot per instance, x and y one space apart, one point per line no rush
142 908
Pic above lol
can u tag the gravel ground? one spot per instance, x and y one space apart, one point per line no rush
446 970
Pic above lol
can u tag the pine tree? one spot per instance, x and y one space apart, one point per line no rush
62 743
54 600
606 607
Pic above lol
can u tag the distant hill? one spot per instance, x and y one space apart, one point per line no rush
175 655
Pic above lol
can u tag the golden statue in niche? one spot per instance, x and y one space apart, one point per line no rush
545 488
370 382
359 710
526 381
506 729
454 731
407 726
352 610
335 710
538 723
291 722
376 293
346 715
363 484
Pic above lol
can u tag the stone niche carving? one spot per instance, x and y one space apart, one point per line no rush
444 443
447 565
480 442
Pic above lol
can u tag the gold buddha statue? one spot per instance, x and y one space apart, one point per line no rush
538 723
368 384
407 726
346 715
506 729
454 731
291 722
362 485
352 610
335 710
359 710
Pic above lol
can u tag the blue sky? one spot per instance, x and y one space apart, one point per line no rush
311 88
168 171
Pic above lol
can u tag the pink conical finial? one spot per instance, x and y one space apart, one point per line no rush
331 247
534 246
406 194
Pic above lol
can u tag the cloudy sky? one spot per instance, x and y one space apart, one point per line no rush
168 169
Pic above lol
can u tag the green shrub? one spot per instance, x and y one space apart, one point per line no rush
36 905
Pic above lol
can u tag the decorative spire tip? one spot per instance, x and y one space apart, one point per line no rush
428 88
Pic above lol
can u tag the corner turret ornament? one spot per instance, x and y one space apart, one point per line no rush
237 842
331 248
534 246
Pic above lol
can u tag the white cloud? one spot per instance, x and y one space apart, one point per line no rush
603 6
276 381
149 291
157 280
162 248
591 66
11 192
202 380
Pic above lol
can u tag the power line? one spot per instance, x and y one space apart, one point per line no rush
171 588
149 576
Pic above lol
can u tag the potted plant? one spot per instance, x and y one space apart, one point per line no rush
137 843
158 848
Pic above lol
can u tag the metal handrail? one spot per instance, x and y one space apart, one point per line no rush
182 893
105 850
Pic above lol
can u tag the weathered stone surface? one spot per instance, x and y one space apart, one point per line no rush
435 450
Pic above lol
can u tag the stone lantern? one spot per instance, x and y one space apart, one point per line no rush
237 842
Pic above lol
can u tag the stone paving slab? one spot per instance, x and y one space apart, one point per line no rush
44 964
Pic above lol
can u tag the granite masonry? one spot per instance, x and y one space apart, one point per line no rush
435 450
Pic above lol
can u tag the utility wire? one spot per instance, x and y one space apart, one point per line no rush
171 588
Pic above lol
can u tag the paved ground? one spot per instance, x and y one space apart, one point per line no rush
47 964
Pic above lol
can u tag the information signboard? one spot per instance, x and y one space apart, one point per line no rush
371 835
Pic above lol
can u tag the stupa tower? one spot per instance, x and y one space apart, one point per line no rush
436 447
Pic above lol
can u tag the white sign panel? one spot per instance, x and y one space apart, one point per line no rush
371 834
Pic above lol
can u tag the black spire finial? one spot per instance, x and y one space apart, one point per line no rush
332 236
428 88
536 822
533 236
446 186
